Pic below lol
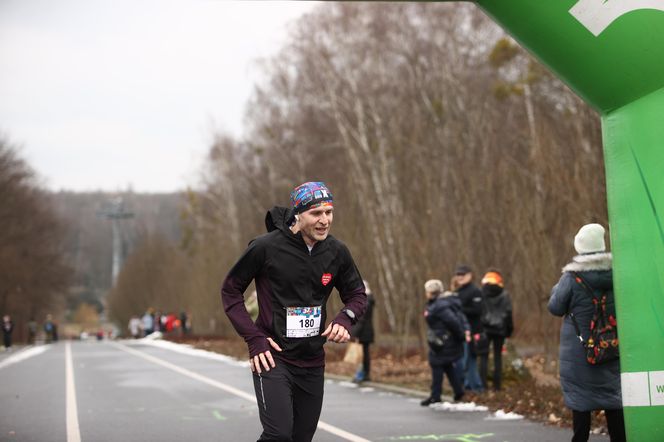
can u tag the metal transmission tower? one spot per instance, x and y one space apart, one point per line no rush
116 212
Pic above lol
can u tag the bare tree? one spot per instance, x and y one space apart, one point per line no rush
33 271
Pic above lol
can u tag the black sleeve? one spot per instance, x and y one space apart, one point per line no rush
232 296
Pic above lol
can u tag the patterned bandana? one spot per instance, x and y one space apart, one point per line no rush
309 195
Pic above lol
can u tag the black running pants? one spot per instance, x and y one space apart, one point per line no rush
289 399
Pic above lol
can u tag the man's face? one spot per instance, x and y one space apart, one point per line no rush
464 279
315 223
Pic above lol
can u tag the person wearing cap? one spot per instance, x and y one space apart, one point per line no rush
587 387
295 266
497 322
445 335
363 331
472 304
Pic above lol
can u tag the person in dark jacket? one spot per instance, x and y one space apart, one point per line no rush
445 336
296 265
497 322
50 329
7 330
472 303
363 330
587 387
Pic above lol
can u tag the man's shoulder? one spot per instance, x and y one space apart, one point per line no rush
266 239
336 245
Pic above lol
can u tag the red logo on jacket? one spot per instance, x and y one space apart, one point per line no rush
326 278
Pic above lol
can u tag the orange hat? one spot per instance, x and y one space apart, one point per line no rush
493 278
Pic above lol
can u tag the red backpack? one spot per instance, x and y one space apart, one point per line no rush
602 344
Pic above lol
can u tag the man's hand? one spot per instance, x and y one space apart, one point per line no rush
265 359
336 333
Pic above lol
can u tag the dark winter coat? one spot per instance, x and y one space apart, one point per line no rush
444 318
7 329
364 330
497 315
585 387
472 304
287 274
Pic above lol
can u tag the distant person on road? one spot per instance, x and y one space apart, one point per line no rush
184 323
295 266
445 335
32 331
148 323
363 331
472 304
7 330
587 387
134 327
50 329
497 322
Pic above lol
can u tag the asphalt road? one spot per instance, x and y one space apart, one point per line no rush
139 391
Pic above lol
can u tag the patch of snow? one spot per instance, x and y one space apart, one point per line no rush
347 384
459 406
188 350
23 355
500 415
366 389
153 336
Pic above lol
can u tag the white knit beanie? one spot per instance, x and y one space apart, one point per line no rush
590 239
434 286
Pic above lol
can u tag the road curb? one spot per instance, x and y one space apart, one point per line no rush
386 387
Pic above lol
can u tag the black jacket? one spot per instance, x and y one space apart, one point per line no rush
287 275
444 318
497 315
472 304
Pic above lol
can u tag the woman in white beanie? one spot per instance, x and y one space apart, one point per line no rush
587 387
445 335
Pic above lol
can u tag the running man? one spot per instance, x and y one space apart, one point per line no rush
295 266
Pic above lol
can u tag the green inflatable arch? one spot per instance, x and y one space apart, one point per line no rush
611 52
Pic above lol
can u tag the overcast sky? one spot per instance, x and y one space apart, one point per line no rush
107 94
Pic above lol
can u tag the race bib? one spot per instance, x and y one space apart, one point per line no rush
302 322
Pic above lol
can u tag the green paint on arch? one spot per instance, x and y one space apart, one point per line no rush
611 52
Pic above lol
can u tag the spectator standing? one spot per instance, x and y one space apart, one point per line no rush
7 330
295 266
184 323
148 323
50 329
472 304
445 336
134 327
497 322
587 387
32 331
159 322
364 332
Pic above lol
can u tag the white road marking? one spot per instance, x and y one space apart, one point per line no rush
23 354
73 431
322 425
